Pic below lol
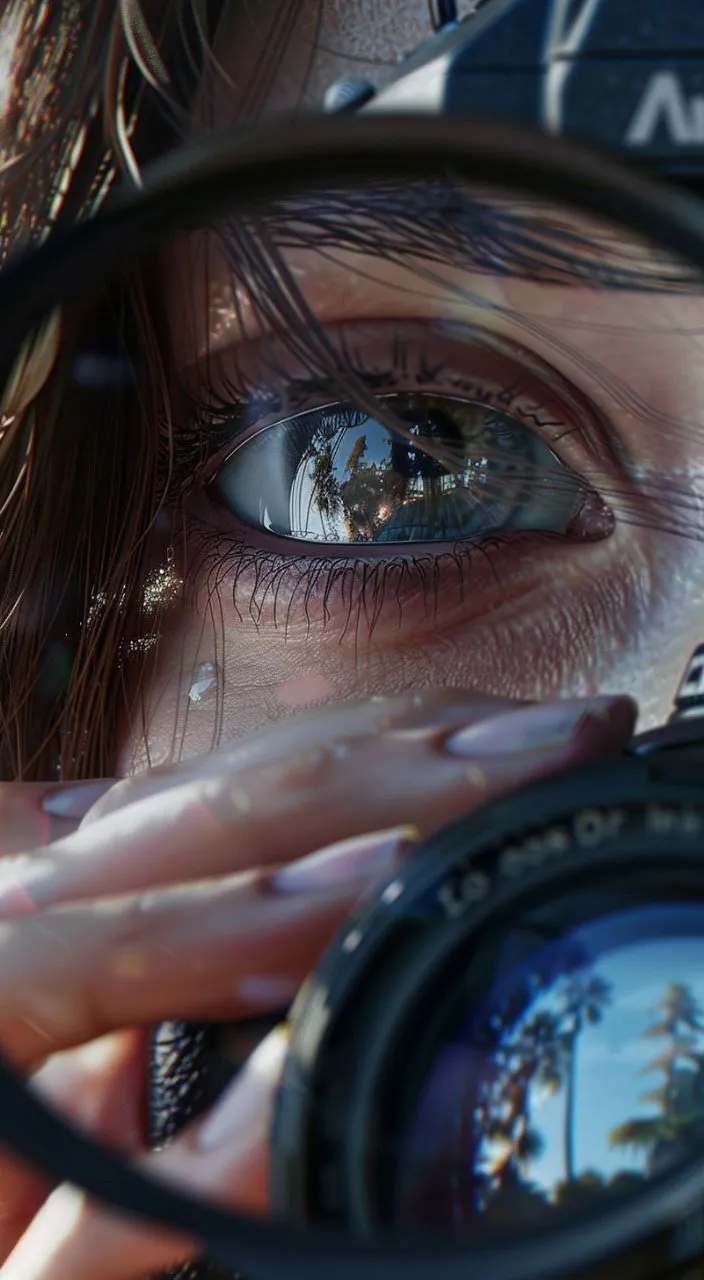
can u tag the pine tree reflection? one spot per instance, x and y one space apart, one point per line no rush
678 1130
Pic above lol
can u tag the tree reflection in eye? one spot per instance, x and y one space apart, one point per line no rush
335 475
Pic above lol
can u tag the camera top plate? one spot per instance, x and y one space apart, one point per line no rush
626 77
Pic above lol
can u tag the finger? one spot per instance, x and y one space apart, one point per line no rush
28 820
99 1086
23 1190
33 815
203 951
72 1238
300 733
281 811
69 974
225 1156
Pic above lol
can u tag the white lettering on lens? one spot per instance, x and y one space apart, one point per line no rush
534 852
590 827
457 894
666 103
666 822
594 826
587 830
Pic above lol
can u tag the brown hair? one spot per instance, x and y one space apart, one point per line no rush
88 89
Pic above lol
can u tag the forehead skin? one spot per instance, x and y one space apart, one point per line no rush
281 55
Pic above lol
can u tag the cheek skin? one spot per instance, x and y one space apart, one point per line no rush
612 625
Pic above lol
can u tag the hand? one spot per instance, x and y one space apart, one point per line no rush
193 893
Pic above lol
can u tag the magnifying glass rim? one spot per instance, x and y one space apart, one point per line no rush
271 160
267 163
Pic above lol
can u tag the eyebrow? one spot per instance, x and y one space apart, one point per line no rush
440 222
426 224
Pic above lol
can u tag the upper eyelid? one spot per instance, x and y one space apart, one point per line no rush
516 230
547 385
507 244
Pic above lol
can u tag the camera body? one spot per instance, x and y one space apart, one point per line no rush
627 77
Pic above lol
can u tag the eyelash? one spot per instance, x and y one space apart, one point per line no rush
274 583
214 425
351 588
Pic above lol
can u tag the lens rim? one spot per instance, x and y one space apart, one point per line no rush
424 977
364 993
269 161
266 164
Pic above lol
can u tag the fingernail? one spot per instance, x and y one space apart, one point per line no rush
272 991
545 727
16 901
242 1116
18 881
75 800
347 860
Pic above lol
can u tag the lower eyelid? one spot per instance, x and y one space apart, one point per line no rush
295 586
350 597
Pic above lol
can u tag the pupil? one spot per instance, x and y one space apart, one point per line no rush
427 423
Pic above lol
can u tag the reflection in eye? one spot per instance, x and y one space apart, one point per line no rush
335 475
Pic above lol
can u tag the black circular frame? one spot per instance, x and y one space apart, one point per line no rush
269 163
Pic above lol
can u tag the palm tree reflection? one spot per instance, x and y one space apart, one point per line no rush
534 1056
537 1057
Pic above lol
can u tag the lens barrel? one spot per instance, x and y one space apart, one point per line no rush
515 943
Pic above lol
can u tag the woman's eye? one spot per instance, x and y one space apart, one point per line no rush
335 475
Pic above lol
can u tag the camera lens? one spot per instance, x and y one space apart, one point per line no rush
510 1035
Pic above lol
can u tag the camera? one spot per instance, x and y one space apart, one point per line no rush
510 948
628 80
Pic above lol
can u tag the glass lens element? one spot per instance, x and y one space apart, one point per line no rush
579 1077
430 417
